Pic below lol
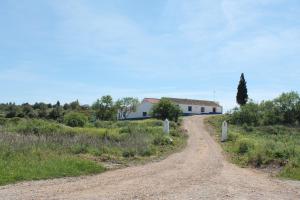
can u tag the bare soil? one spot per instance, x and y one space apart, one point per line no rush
200 171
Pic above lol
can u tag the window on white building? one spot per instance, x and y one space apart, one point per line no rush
190 108
203 109
144 114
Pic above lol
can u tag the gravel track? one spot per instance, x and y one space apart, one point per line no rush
200 171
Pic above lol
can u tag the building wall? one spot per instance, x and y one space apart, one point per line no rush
196 109
143 107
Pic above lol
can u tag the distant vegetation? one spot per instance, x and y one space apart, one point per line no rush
102 109
284 110
265 134
45 141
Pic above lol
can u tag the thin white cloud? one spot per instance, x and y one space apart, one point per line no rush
20 73
269 47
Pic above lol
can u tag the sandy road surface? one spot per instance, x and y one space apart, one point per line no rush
198 172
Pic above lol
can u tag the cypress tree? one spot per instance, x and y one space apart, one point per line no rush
242 93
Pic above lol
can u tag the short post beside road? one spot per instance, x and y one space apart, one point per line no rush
224 131
166 126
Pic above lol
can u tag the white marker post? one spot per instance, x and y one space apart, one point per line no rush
166 126
224 131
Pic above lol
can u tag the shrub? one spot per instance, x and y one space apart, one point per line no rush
75 119
3 121
283 110
292 169
162 140
147 151
233 136
287 106
247 114
244 145
166 109
257 157
79 148
129 153
247 128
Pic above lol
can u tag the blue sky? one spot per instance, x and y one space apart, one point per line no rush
83 49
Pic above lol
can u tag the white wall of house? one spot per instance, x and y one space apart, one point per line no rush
143 111
198 109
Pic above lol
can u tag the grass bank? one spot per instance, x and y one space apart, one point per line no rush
33 149
276 147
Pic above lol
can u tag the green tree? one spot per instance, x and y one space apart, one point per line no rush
127 105
287 105
11 110
56 112
242 93
75 105
248 114
43 110
269 113
105 109
75 119
66 106
57 104
27 110
166 109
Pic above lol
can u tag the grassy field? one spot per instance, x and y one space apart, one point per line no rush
276 147
32 149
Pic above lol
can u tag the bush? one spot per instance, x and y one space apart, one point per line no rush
129 153
75 119
3 121
79 148
247 114
244 145
247 128
283 110
287 107
233 136
162 140
257 157
166 109
147 151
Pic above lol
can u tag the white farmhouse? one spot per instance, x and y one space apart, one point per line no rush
188 107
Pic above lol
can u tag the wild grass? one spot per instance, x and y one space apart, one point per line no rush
32 149
276 146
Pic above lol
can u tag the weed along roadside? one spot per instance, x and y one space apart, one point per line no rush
33 149
274 149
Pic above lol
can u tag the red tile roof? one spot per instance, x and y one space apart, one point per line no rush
151 100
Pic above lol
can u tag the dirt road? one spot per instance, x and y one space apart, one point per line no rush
198 172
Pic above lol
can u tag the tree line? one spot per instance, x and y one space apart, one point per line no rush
74 114
104 108
284 109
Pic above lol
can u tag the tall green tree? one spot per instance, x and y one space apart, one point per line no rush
56 112
242 93
105 109
127 105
